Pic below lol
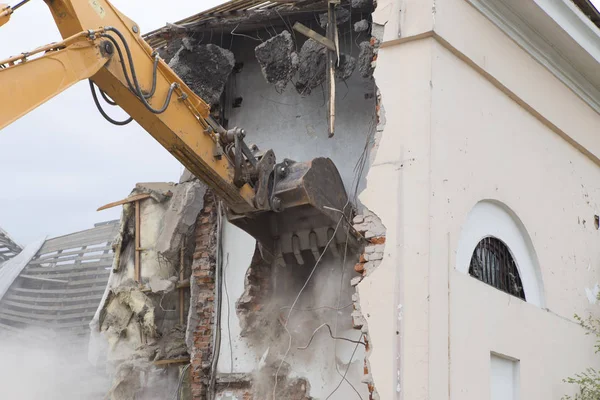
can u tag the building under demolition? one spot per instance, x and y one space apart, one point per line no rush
465 135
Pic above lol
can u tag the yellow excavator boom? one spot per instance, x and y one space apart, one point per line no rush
5 12
103 45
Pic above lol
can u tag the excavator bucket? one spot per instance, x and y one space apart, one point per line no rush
311 212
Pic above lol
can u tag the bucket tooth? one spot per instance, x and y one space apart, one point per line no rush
306 198
278 260
314 245
333 247
296 249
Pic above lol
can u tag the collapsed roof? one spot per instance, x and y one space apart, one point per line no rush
57 284
239 16
8 247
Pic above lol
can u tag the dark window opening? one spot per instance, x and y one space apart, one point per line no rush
492 263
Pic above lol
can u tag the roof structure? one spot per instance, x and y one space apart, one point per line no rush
8 247
240 16
62 284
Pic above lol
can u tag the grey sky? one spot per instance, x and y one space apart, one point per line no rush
62 161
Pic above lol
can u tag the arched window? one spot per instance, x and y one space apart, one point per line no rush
495 248
492 263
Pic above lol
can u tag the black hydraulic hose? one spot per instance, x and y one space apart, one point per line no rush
109 119
126 73
154 73
121 60
106 99
138 90
19 5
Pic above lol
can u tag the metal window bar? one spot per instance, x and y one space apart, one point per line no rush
492 263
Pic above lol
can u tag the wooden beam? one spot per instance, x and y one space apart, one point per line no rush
181 277
130 199
306 31
184 360
138 269
332 58
37 278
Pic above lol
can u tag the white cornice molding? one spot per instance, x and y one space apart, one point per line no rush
511 17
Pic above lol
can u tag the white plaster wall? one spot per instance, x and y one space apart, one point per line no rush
394 296
494 149
471 116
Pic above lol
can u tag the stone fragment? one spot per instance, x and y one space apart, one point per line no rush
312 66
277 59
341 14
345 67
205 68
361 26
365 59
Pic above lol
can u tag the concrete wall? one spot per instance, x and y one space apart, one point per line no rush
473 117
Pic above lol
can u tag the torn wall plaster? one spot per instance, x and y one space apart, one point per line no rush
137 323
204 68
365 59
371 227
200 334
253 306
278 59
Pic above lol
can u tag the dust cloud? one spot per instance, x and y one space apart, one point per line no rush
42 365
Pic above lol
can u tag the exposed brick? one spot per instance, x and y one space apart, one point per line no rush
360 267
377 240
203 269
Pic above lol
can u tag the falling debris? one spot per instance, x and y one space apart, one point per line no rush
205 68
312 66
346 66
341 14
277 59
361 26
365 59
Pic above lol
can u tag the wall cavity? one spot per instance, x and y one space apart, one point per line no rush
262 347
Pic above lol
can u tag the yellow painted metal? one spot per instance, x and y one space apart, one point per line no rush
182 129
5 12
26 84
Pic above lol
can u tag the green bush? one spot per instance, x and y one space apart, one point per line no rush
589 380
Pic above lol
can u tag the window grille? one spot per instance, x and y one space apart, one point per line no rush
492 263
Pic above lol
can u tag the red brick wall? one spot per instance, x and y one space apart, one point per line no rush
203 272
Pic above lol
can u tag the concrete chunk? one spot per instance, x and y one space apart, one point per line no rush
205 68
278 60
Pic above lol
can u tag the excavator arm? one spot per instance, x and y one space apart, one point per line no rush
288 207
